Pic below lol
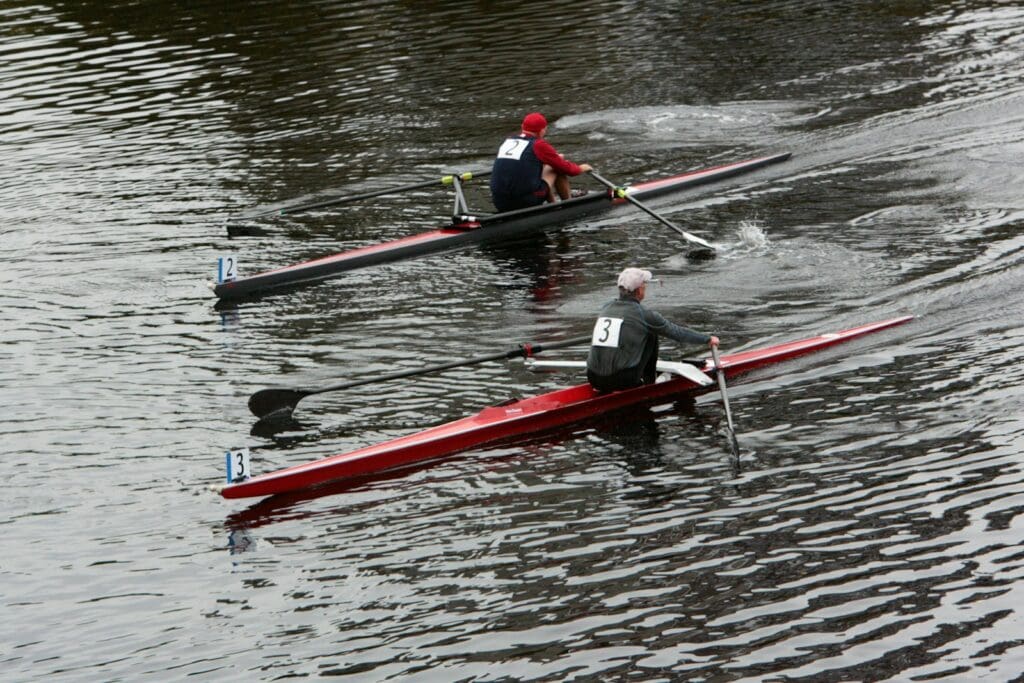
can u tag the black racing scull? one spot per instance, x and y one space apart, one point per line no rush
467 230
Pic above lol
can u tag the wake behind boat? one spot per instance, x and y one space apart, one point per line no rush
517 419
467 229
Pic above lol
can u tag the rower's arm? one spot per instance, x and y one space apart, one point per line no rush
664 328
544 152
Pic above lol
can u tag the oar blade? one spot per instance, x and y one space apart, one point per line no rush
701 254
244 230
734 444
266 403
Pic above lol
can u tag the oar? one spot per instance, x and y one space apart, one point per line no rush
720 373
344 199
706 250
279 403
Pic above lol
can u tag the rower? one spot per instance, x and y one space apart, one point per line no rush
528 171
624 347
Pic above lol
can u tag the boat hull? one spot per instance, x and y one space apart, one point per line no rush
521 418
472 230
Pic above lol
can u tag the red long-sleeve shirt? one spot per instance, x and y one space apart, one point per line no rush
544 152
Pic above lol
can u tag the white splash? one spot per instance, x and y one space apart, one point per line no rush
752 235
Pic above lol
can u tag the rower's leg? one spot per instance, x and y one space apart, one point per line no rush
559 184
649 360
562 187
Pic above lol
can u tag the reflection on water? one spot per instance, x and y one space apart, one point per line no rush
871 530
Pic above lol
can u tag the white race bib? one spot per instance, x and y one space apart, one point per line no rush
513 148
606 332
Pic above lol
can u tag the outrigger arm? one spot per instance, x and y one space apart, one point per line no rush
682 369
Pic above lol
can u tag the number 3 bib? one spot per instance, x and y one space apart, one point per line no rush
606 332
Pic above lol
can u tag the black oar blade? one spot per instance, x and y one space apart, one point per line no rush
244 230
275 402
701 254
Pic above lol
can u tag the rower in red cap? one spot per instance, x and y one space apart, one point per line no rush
528 171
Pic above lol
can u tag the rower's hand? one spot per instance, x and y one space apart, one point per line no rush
586 168
713 342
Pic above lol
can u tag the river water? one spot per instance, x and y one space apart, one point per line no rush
872 529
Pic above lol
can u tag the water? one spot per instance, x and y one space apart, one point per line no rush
871 529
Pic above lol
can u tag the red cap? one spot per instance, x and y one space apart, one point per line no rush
534 122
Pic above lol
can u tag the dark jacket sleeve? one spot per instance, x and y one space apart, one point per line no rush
664 328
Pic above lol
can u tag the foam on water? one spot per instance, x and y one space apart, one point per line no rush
753 235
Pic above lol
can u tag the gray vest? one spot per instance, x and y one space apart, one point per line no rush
622 332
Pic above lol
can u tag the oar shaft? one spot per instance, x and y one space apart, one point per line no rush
689 237
720 374
523 350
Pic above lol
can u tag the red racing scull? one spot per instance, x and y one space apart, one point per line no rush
466 230
520 418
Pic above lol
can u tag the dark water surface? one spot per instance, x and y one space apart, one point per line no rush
873 530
